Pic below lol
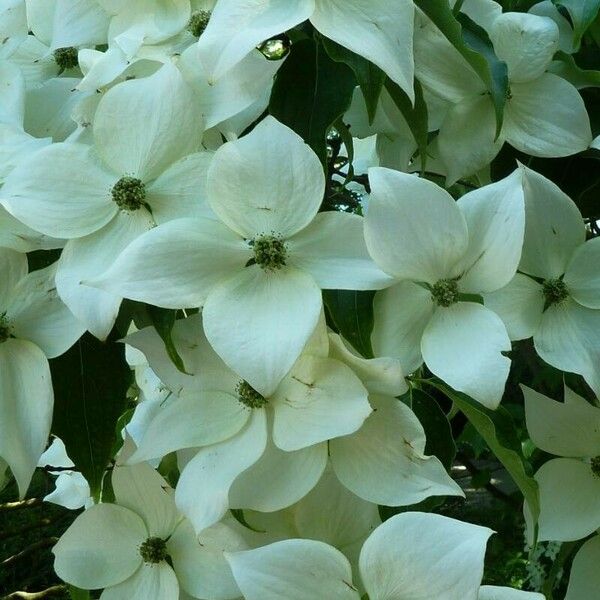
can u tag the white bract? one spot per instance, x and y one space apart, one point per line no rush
584 579
443 252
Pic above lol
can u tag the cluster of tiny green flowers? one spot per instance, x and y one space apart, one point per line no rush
5 328
555 291
198 22
129 193
270 252
153 550
249 397
445 292
66 58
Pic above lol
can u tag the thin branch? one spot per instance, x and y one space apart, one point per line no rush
4 535
47 593
21 504
28 551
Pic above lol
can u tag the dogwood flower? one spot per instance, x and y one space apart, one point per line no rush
275 254
141 169
569 486
34 326
555 296
584 579
377 30
442 251
124 547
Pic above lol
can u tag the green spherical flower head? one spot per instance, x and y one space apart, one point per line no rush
66 58
198 22
5 328
555 291
249 397
595 464
269 252
129 193
275 49
153 550
445 292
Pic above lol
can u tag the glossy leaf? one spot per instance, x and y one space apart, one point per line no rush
582 13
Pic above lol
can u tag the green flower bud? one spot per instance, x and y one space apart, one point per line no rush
153 550
595 464
198 22
129 193
270 252
66 58
445 292
555 291
249 397
5 328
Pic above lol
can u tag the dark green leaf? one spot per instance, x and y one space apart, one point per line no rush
238 515
370 78
163 320
415 115
498 430
352 315
90 385
473 44
77 594
440 442
311 91
565 66
348 141
582 13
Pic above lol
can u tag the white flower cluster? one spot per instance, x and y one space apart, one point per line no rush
134 142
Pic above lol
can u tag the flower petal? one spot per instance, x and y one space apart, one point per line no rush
149 581
100 548
493 592
13 266
463 345
269 181
413 228
275 313
293 570
582 277
422 556
384 461
144 125
585 577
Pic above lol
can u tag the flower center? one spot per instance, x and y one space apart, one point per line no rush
5 328
595 464
129 193
249 397
275 49
270 252
555 291
445 292
66 58
198 22
153 550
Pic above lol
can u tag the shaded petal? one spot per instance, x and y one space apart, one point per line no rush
384 461
100 548
541 128
275 313
62 190
79 23
493 592
148 582
582 277
495 216
413 228
26 402
553 227
293 570
337 262
237 26
321 399
13 266
152 270
569 508
567 429
463 345
422 556
378 30
202 493
278 478
520 305
585 577
144 125
269 181
401 315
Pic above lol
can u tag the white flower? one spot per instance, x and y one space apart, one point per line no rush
261 264
569 486
555 297
378 30
124 547
584 579
441 250
139 171
34 325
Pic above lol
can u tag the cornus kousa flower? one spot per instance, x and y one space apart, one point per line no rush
274 254
378 30
256 452
467 140
140 548
140 170
584 579
443 252
34 326
569 486
412 556
555 297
